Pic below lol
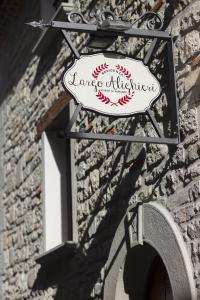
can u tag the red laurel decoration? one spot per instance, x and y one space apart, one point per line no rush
99 69
103 98
124 71
106 100
124 100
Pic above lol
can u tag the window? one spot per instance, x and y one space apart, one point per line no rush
57 182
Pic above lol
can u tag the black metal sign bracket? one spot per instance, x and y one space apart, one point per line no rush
106 25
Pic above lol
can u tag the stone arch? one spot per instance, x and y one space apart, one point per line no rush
162 234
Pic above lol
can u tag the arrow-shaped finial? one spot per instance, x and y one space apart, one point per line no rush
37 24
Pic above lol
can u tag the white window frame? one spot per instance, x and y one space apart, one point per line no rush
58 186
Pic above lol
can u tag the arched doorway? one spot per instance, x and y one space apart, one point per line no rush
144 276
159 269
159 286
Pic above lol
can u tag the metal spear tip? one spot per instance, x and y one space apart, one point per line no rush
35 24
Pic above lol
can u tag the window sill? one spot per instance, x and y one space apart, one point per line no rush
67 249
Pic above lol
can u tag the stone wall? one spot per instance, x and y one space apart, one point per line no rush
110 175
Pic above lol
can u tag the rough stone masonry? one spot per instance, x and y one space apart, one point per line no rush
110 176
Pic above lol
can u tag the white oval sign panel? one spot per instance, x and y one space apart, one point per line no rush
111 84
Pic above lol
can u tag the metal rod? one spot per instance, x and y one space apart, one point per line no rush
140 224
150 51
70 44
77 27
121 138
90 28
73 119
172 81
154 122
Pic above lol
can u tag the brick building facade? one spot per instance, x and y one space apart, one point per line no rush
78 250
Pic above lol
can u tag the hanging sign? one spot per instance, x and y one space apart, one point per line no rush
111 84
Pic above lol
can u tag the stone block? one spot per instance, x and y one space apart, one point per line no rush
155 153
191 19
194 192
94 179
188 121
31 278
193 80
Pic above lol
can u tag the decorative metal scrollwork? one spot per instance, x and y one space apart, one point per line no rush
100 18
107 15
154 20
97 17
75 16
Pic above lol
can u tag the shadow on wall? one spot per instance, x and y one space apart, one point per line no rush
76 278
15 50
47 59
